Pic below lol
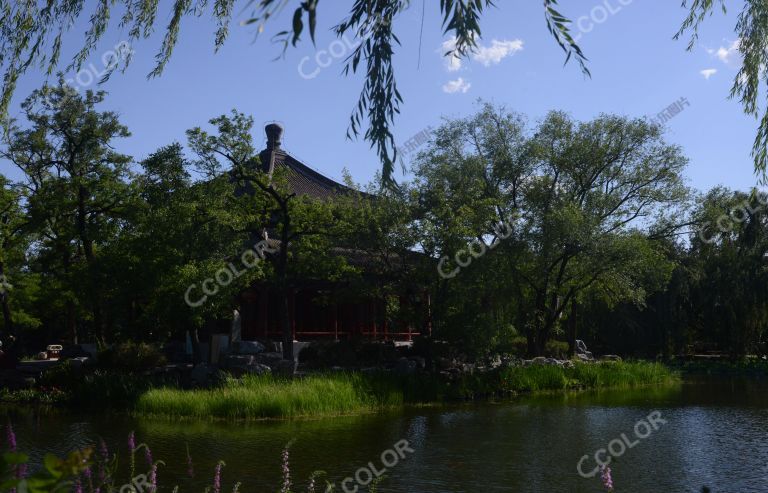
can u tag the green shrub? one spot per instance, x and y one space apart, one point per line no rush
131 357
519 346
62 376
556 349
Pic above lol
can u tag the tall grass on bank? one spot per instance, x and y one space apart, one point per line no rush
585 376
261 397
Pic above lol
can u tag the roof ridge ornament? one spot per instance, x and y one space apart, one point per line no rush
274 133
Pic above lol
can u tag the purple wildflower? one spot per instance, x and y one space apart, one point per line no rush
605 475
21 472
190 466
217 478
286 472
78 487
148 456
131 442
11 438
104 451
153 478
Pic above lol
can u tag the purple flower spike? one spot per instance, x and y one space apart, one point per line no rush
148 456
153 478
217 478
286 472
605 475
11 438
131 442
190 466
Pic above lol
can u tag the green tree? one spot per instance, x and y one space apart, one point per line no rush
13 243
732 249
79 189
579 201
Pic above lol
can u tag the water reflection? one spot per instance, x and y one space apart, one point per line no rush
715 435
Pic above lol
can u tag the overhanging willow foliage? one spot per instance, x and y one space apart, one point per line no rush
31 34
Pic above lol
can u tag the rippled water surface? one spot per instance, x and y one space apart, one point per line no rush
716 434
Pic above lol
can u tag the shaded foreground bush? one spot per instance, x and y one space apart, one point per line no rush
258 397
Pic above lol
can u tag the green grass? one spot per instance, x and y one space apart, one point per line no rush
264 397
586 376
259 397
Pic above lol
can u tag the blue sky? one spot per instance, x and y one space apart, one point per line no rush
637 70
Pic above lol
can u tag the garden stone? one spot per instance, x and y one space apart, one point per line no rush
247 347
269 359
79 362
421 363
285 368
539 360
258 369
201 374
405 367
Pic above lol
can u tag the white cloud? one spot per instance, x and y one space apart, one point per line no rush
458 85
709 72
453 61
497 51
486 55
729 55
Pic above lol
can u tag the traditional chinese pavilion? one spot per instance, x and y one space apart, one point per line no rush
314 311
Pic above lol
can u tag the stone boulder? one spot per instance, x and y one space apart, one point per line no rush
581 350
421 363
405 367
80 361
285 368
238 360
202 375
269 359
247 347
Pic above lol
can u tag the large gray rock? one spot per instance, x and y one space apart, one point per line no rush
80 361
421 363
405 367
201 374
269 359
581 350
247 347
238 360
285 368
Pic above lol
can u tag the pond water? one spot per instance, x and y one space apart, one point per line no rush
706 432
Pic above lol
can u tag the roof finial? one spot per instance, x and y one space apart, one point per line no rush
274 136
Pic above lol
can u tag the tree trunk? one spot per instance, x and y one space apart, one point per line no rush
85 238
